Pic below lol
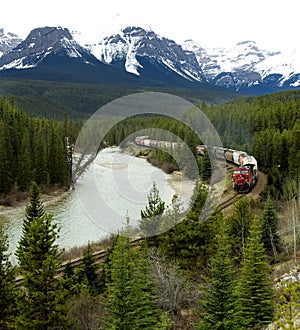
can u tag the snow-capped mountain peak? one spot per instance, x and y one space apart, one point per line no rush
246 65
138 54
133 44
40 43
8 41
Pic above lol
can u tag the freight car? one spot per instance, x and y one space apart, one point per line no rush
144 141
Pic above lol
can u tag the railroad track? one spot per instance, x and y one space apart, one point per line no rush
228 201
102 254
76 262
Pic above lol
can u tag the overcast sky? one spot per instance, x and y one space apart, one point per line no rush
272 24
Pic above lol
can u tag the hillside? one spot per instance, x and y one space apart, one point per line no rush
79 100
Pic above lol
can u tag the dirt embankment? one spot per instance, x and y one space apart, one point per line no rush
261 184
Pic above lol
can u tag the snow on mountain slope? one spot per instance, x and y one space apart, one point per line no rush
8 41
247 65
151 58
132 43
286 64
39 44
243 56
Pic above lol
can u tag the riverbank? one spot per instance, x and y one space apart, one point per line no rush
149 154
53 196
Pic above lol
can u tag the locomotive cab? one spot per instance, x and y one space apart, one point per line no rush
244 178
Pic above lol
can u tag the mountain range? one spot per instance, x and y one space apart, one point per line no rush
136 55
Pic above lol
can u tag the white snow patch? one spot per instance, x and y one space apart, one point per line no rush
296 83
17 64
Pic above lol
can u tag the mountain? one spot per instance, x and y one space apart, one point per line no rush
136 48
139 57
8 41
248 68
51 53
43 43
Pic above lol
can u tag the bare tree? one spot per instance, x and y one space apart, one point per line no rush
84 311
174 292
292 197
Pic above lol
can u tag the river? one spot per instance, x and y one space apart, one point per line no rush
115 186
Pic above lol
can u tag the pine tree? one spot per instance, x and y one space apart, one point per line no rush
173 214
130 290
240 222
254 290
24 163
34 210
88 271
57 157
288 307
270 237
206 167
42 305
151 217
6 177
39 162
7 285
218 300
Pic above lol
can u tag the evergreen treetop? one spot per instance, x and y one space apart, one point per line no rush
255 295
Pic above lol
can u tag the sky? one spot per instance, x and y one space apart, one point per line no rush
274 25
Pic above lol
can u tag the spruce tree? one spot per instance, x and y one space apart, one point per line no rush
6 174
287 310
7 285
34 210
240 222
42 305
218 299
151 217
39 161
173 214
270 237
88 271
57 157
254 290
24 163
130 290
206 167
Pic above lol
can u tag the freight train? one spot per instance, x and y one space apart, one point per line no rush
244 177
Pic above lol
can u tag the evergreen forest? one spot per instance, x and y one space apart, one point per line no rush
213 274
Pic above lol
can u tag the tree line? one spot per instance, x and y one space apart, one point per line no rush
32 149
